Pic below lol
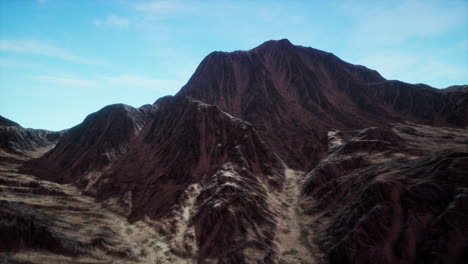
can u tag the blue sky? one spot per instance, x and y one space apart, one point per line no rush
61 59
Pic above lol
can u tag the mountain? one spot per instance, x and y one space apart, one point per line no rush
18 143
279 154
293 95
219 159
119 154
88 148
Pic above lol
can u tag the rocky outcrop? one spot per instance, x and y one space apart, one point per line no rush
377 198
234 216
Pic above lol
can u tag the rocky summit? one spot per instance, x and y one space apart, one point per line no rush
278 154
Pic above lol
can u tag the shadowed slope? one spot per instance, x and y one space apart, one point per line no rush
7 122
87 149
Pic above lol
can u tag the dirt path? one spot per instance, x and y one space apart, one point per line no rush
291 234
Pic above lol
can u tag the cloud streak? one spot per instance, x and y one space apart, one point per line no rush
113 21
161 7
118 81
67 81
39 48
135 81
394 24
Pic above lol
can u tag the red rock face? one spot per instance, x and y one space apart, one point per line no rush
293 95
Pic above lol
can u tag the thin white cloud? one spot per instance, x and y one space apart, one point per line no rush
67 81
160 10
39 48
161 7
7 63
112 20
117 81
463 44
134 81
387 22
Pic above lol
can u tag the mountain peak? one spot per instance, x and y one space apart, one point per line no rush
281 43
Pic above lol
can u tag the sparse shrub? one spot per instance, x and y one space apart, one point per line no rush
171 259
285 205
162 232
167 253
144 241
152 244
290 200
292 251
303 261
143 253
158 261
129 231
304 234
286 230
157 248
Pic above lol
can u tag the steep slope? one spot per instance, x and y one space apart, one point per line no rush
188 144
7 122
394 195
293 95
87 149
